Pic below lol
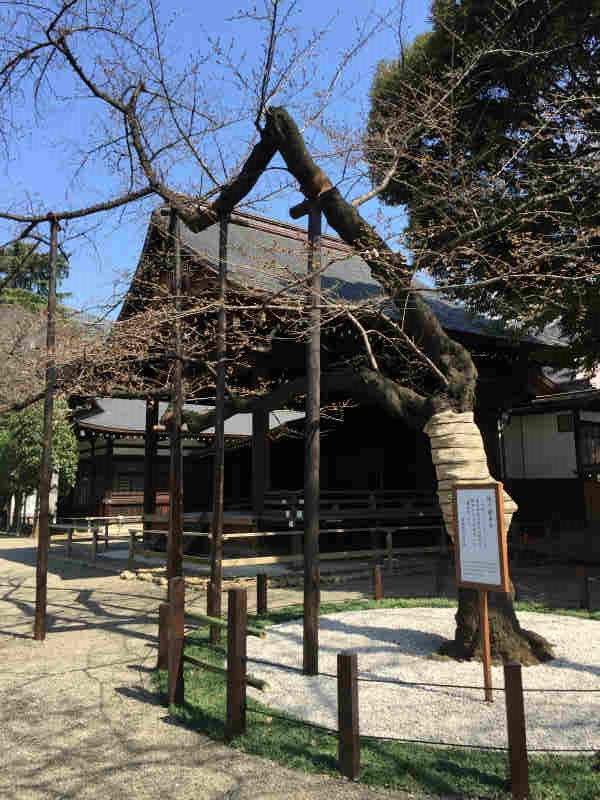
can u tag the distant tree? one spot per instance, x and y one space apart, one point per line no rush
21 445
487 131
24 274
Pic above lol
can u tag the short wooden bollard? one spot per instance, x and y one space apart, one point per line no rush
131 556
584 587
517 738
377 583
162 662
176 640
94 543
261 593
69 543
348 736
237 622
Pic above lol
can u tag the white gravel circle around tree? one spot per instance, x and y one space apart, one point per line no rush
401 643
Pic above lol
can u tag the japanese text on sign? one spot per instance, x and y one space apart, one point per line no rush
478 533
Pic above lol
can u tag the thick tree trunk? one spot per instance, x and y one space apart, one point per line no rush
458 455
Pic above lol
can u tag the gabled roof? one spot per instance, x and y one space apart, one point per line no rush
262 253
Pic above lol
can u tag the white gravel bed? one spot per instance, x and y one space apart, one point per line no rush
400 643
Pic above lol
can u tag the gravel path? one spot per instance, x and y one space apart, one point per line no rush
79 718
400 643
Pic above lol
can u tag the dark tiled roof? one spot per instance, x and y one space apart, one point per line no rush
264 254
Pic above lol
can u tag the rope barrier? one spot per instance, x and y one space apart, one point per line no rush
421 684
431 742
295 721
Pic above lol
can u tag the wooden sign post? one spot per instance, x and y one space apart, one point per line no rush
481 554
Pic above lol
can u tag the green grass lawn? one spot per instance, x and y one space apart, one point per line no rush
421 769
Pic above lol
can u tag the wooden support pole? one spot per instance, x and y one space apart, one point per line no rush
237 621
584 587
348 737
214 595
69 543
261 593
43 545
150 452
162 661
175 543
517 737
486 653
176 640
105 536
378 587
312 452
260 459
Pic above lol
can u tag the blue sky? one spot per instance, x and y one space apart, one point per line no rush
41 170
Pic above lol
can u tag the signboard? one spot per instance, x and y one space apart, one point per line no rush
481 557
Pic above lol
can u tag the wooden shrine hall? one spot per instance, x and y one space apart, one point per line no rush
376 474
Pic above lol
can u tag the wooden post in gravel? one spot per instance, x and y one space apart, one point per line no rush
237 623
378 588
261 594
348 736
517 738
176 640
584 587
164 610
94 544
131 555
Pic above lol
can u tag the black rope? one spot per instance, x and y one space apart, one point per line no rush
274 664
295 721
421 684
432 742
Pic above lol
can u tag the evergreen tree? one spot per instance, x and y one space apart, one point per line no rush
488 126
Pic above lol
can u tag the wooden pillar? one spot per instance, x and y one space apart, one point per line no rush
348 736
237 624
260 459
150 452
312 451
216 556
175 544
41 578
517 736
176 641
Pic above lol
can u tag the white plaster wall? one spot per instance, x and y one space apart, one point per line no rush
535 449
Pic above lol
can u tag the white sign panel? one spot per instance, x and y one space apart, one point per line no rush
478 533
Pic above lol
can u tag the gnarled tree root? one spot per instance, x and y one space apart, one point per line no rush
509 642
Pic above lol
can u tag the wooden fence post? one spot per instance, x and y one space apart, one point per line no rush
515 723
69 542
348 736
94 543
378 590
176 640
584 587
164 610
131 556
261 593
237 623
